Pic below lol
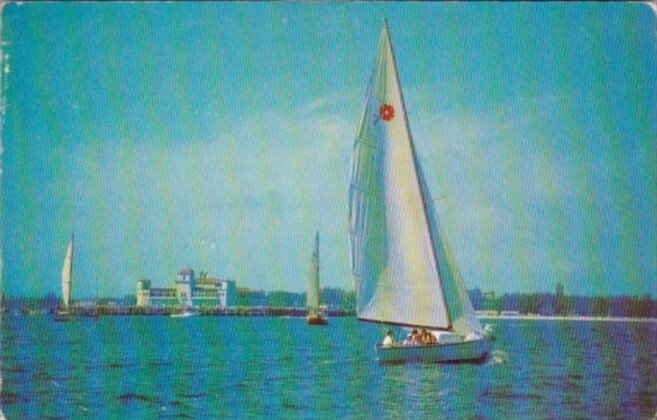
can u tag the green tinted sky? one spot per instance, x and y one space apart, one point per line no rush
219 135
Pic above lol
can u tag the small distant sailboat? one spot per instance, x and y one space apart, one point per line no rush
63 314
314 316
404 271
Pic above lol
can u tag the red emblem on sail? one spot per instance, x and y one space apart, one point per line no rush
387 112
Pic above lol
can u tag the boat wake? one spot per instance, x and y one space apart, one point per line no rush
341 361
58 385
497 357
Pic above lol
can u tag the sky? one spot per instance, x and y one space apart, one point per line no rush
219 136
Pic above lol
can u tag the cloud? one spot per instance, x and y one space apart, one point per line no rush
514 195
322 102
256 188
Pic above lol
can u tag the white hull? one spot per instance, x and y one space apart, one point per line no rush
185 314
63 316
434 353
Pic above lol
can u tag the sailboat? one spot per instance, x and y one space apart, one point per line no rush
404 271
63 313
314 316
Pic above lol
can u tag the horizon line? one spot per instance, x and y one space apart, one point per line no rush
497 295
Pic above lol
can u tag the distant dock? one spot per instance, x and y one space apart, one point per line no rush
237 311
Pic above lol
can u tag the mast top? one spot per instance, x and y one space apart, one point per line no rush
386 29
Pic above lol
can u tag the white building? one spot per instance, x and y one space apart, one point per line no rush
185 286
143 292
188 292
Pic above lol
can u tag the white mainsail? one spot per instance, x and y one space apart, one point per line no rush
67 274
405 275
312 300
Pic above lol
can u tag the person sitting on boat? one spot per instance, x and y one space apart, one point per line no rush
408 340
416 338
387 341
428 338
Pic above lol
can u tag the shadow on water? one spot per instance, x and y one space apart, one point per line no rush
480 361
493 358
9 398
510 395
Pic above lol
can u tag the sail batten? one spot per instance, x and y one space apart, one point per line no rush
398 260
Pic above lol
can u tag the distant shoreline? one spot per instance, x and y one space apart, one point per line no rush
567 318
282 312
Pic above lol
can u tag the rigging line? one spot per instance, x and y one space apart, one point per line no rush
402 207
362 235
367 190
369 95
368 144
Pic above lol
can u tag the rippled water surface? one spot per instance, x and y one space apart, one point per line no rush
135 367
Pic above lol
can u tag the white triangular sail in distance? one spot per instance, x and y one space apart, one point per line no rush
312 301
67 274
396 262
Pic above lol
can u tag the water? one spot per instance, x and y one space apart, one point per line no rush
135 367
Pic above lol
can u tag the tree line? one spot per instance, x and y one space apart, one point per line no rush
547 304
557 304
